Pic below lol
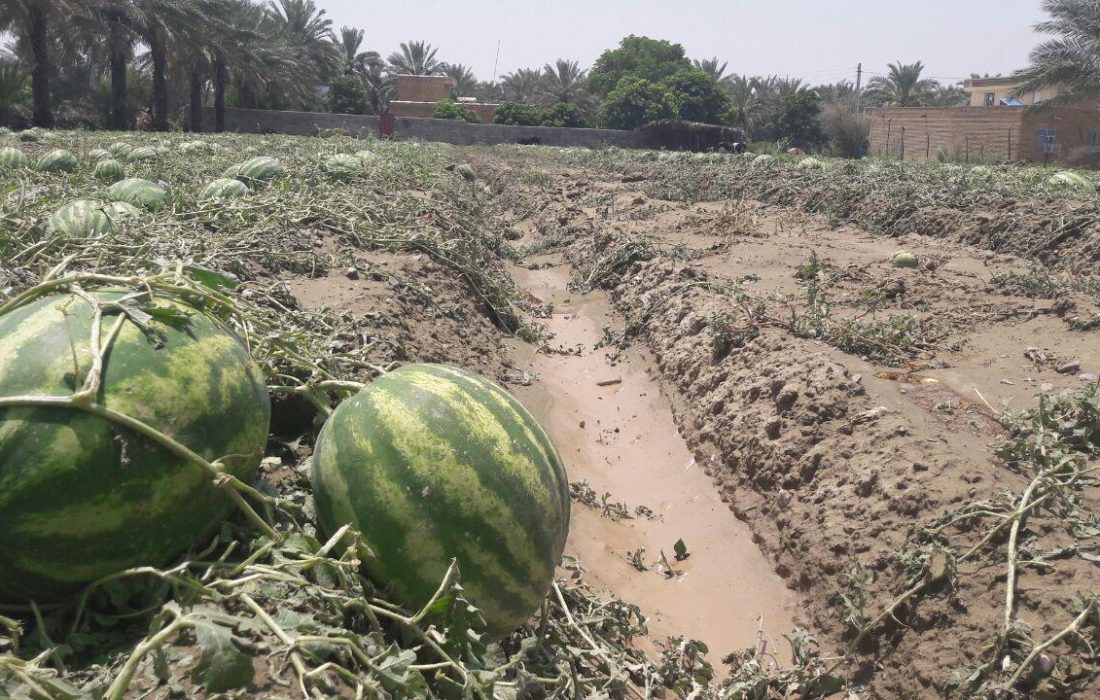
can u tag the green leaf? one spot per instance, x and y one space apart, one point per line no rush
223 667
212 279
681 550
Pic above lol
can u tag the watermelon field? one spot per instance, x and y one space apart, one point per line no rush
288 417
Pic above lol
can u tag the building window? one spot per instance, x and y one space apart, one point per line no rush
1093 139
1048 141
990 99
1037 97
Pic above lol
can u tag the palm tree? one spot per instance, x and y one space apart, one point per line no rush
379 81
901 87
712 67
348 44
416 58
521 85
564 81
13 84
834 93
305 28
465 80
1072 58
31 20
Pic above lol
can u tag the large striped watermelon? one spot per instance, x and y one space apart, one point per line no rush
120 149
257 170
82 217
13 158
432 463
109 170
194 148
343 166
81 497
98 154
224 188
140 193
143 153
58 161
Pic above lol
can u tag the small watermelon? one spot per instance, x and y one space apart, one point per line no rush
119 211
98 154
109 170
762 159
466 173
1071 181
258 170
343 167
30 135
120 150
143 153
811 164
194 148
13 158
432 463
81 218
904 259
59 161
224 188
82 497
367 157
140 193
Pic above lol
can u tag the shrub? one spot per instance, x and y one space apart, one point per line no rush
518 114
566 114
847 132
347 95
637 101
698 97
449 109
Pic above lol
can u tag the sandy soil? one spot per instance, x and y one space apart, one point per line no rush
834 455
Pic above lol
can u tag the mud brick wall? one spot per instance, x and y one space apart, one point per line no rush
423 88
260 121
978 134
425 110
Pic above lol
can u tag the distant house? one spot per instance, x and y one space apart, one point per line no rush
996 127
1001 92
417 95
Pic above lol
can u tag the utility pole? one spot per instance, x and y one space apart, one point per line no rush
859 88
496 64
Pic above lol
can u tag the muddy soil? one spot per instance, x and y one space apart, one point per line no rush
838 404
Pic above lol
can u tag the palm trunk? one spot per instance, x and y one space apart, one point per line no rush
38 28
120 57
196 99
221 78
160 80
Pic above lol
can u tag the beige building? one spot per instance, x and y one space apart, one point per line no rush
417 95
1001 92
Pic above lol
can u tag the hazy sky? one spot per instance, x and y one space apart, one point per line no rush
818 40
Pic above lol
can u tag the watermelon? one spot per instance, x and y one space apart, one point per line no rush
466 173
257 170
224 188
904 259
367 157
343 167
109 170
98 154
120 150
81 497
59 161
121 210
432 463
143 153
192 148
811 163
13 158
140 193
5 131
30 135
80 218
762 159
1072 181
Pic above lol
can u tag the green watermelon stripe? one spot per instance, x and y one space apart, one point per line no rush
528 437
393 518
433 471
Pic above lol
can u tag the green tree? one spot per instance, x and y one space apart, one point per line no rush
1072 57
308 32
564 81
638 57
13 87
698 96
798 119
712 67
348 45
517 114
902 86
637 101
521 85
465 80
566 115
32 20
416 58
449 109
347 95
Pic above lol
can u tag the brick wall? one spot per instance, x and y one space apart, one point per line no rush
424 110
977 134
423 88
260 121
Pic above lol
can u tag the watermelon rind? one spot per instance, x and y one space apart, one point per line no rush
140 193
82 498
431 463
13 158
58 161
80 218
109 171
224 188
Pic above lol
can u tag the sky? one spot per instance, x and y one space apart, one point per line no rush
817 40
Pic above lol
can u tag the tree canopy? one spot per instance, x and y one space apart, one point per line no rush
637 57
